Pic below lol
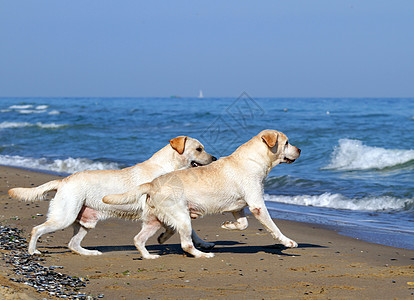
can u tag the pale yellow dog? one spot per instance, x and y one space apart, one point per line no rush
227 185
78 200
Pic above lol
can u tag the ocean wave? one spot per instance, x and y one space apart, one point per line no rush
338 201
6 124
14 124
50 125
69 165
27 109
54 112
24 106
352 155
287 181
30 111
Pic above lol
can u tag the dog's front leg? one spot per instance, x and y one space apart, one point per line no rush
240 223
261 213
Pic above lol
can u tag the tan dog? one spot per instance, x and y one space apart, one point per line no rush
78 200
227 185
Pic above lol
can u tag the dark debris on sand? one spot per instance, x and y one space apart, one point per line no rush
31 272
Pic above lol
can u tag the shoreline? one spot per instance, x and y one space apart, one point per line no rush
246 263
355 224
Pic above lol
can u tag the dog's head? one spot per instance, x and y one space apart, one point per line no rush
190 152
278 148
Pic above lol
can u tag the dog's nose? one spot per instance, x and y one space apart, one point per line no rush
299 150
214 158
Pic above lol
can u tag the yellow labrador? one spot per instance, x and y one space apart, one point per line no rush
78 200
227 185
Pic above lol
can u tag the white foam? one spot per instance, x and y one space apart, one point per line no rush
25 106
354 155
50 125
42 107
6 124
69 165
338 201
54 112
14 124
29 111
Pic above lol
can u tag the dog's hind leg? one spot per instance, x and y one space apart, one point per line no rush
79 232
63 210
240 223
163 237
36 233
48 226
198 242
149 227
185 231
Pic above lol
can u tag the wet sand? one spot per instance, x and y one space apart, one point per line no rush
246 265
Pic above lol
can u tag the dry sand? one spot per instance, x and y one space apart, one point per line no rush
247 265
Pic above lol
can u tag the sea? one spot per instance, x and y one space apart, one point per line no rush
355 173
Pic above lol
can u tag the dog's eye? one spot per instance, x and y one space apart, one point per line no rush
199 149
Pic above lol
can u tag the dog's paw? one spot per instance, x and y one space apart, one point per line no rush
289 243
228 225
151 256
94 252
35 252
82 251
233 225
205 255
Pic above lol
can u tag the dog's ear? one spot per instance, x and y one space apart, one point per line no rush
270 138
178 144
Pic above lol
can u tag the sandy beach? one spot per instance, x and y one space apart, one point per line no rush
247 264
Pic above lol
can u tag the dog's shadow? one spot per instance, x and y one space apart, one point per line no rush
271 249
220 247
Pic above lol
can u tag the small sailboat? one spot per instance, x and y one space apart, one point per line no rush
200 95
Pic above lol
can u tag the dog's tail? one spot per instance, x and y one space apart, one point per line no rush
37 193
130 197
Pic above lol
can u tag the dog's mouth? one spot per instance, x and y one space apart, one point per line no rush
195 164
289 161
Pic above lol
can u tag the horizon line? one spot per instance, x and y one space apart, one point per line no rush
211 97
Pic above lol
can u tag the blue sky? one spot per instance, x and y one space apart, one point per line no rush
162 48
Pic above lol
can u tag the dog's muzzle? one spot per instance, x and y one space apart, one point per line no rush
289 161
195 164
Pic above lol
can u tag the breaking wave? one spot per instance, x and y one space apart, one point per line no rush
6 124
69 165
352 155
54 112
24 106
338 201
27 108
31 111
